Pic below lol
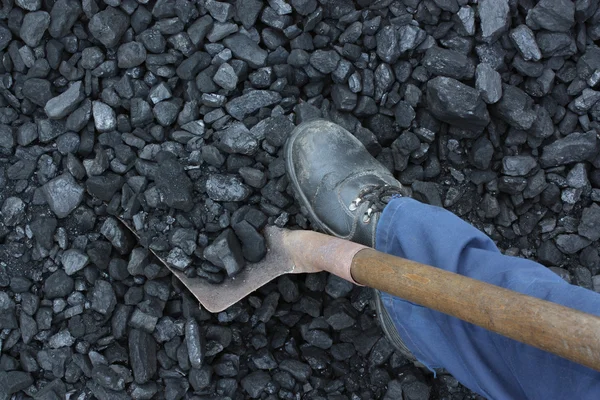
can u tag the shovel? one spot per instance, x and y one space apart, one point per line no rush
557 329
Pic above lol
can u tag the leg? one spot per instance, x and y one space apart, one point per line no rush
489 364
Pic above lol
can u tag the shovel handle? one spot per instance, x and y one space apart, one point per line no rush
557 329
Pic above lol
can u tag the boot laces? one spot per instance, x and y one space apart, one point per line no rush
375 198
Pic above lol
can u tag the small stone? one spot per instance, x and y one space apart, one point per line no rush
60 106
63 195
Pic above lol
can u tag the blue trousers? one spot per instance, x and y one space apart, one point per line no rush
487 363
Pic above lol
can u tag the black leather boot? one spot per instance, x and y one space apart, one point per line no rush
342 190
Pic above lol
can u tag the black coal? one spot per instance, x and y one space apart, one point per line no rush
172 114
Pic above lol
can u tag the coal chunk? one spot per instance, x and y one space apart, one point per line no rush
104 186
343 98
524 40
589 226
33 27
489 83
131 55
253 243
226 188
518 165
12 382
552 15
63 195
142 355
118 236
73 261
325 61
494 18
236 139
571 243
195 343
226 252
255 383
63 16
57 285
103 297
226 77
67 102
108 26
575 147
242 106
13 211
456 103
105 118
8 318
449 63
174 184
516 107
246 49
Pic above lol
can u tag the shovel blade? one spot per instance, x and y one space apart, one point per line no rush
218 297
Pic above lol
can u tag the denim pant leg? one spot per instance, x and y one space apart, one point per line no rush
489 364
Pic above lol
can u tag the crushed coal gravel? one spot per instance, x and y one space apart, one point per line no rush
172 115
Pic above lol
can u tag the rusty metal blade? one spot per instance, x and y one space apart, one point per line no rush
218 297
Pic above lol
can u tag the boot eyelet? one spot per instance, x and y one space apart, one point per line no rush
367 216
354 205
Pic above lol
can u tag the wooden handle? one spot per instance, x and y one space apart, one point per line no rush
560 330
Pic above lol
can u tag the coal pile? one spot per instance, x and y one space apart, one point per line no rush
172 115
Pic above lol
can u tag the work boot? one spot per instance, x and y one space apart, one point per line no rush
342 190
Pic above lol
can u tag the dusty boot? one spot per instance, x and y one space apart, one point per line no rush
342 190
